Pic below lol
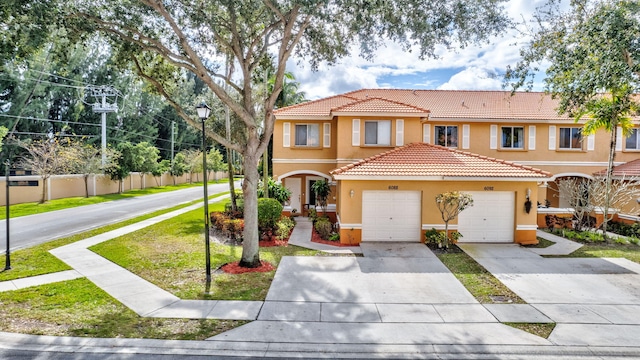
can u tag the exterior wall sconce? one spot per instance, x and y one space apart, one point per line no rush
527 204
351 193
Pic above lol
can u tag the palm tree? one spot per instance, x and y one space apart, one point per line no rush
609 112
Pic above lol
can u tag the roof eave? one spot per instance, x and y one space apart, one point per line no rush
379 114
439 178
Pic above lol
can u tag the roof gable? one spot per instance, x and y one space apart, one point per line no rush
421 160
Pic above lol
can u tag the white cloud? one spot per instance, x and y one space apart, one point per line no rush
391 66
473 78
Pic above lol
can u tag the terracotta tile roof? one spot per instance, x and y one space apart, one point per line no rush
627 170
379 105
445 104
427 160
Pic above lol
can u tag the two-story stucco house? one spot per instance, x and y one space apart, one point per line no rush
389 152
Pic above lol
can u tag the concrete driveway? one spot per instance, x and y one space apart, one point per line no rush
595 301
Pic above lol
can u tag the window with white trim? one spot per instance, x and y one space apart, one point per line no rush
446 136
570 138
512 137
377 132
307 135
633 141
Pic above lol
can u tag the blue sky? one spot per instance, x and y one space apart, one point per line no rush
478 67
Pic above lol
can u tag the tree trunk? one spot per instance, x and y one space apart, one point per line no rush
607 199
86 185
232 189
44 189
250 248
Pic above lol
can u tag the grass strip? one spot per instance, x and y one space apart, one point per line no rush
630 252
171 255
79 308
478 281
539 329
37 260
66 203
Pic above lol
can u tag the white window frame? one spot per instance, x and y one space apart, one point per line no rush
635 132
572 132
512 147
379 133
446 131
306 144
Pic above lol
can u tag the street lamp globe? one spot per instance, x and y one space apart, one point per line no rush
203 111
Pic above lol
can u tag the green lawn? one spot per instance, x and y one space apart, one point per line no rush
59 204
79 308
171 255
480 283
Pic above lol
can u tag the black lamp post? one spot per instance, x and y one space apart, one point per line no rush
203 113
7 265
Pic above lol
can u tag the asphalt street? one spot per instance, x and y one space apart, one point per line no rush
26 231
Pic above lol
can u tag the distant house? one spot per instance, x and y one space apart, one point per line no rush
391 151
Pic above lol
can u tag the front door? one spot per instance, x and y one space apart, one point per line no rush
294 185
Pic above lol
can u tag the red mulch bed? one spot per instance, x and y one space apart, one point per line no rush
315 237
234 268
273 242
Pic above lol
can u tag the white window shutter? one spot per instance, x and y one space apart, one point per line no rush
326 140
493 140
286 134
399 132
552 137
355 132
465 136
591 142
618 139
532 137
426 137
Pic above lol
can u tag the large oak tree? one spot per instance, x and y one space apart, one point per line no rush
593 48
167 39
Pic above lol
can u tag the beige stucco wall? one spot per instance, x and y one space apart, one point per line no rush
64 186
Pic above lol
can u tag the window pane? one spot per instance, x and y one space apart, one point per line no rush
452 136
301 135
576 139
313 136
565 138
370 133
384 132
440 135
518 137
506 137
632 140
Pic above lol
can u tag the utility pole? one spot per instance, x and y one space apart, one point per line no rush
173 127
7 260
102 106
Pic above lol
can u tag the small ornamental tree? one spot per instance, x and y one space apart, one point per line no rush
322 190
450 205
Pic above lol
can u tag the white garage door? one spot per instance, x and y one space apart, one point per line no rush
490 219
391 215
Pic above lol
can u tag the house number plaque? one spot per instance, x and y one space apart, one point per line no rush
488 188
393 187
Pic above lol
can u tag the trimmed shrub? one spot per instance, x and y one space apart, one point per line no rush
233 228
435 237
323 227
284 227
269 212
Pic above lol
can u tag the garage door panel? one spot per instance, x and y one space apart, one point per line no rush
490 219
391 215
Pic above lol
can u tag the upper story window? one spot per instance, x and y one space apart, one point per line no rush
377 132
446 136
307 135
512 137
570 138
633 141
